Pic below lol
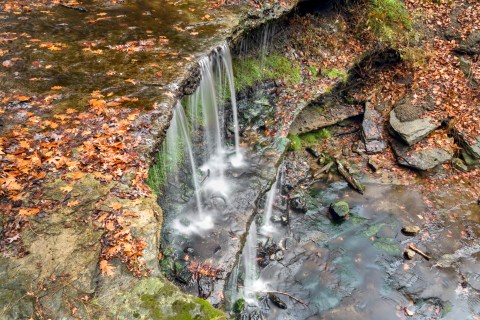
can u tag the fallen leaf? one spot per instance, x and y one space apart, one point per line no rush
28 211
66 188
107 269
73 203
78 175
115 205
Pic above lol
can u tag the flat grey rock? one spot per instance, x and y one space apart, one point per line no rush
424 159
413 131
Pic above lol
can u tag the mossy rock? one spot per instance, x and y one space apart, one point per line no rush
157 299
339 210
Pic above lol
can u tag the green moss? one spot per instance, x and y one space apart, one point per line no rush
335 73
208 311
295 142
239 305
252 70
389 21
315 136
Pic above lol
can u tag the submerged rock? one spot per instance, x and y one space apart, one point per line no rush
410 230
372 130
277 301
298 204
339 211
424 159
409 254
411 131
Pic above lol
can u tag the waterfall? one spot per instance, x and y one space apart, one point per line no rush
269 202
251 283
227 62
179 113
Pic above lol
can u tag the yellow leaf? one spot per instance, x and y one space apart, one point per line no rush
56 88
66 188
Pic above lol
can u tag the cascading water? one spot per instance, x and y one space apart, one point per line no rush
251 283
205 125
268 227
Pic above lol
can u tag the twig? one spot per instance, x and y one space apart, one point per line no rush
423 254
281 292
81 9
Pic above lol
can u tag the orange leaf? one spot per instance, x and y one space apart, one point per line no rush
107 269
78 174
115 206
28 211
73 203
56 88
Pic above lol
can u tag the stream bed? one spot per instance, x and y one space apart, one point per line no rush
355 269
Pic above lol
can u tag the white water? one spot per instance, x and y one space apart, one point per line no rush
205 124
251 283
268 227
183 126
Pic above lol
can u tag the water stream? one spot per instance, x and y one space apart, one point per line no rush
288 264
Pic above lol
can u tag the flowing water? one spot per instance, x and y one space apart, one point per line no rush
314 268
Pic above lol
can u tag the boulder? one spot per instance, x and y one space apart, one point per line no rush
424 159
411 230
411 131
328 113
339 211
471 146
277 301
372 130
409 254
471 45
298 204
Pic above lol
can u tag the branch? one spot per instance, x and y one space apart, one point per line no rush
281 292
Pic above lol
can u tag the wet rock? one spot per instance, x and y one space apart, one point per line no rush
459 164
277 301
374 164
205 287
359 147
239 306
339 211
284 220
298 204
327 113
424 159
313 152
411 131
471 146
188 250
469 160
372 130
410 230
279 255
471 45
409 254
